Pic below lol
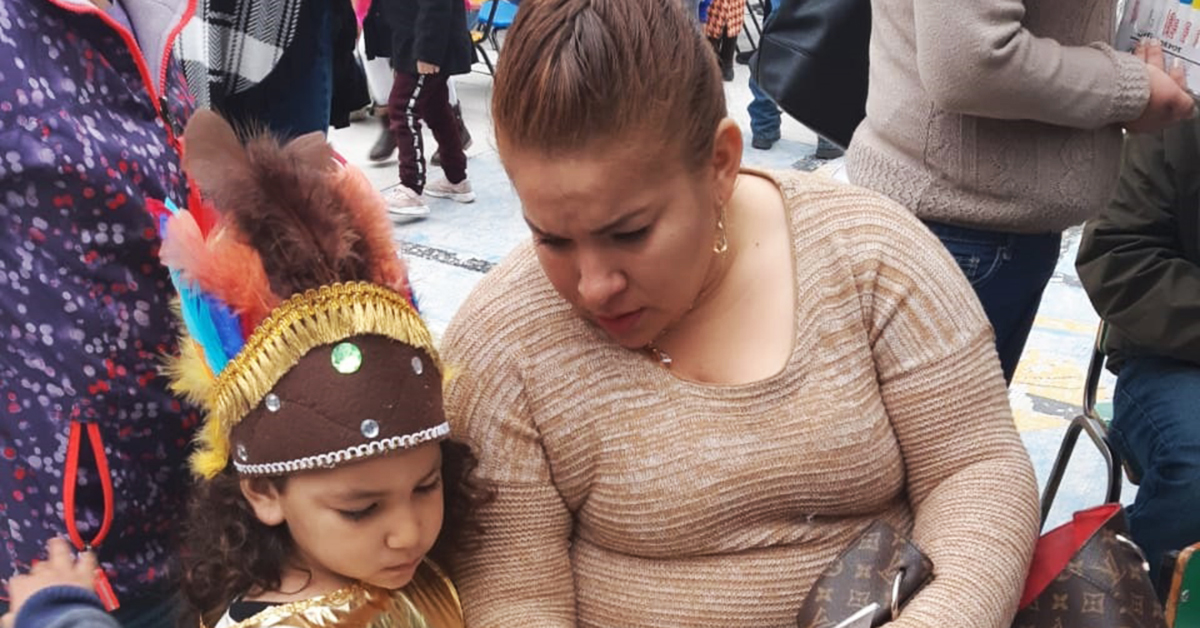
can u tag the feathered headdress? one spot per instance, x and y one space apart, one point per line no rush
303 343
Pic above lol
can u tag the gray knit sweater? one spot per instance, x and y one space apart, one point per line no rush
996 114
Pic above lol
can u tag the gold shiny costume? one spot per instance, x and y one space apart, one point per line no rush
429 601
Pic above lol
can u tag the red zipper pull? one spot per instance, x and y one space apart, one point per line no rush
104 590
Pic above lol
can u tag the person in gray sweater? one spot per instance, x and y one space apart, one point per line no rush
999 124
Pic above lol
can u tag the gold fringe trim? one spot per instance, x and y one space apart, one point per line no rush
317 317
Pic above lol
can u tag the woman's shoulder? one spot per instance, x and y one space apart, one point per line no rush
829 217
815 200
511 304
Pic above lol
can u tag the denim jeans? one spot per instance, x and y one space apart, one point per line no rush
1009 272
1156 426
764 114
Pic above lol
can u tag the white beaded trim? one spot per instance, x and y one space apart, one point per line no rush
334 458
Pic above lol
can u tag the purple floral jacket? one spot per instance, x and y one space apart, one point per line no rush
90 110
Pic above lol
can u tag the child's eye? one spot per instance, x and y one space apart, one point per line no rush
632 236
429 487
358 515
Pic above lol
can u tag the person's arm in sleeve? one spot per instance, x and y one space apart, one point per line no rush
976 57
56 593
968 477
63 607
519 573
434 19
1131 259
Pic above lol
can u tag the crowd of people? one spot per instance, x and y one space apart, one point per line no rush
674 405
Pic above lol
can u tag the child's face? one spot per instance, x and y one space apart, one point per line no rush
371 521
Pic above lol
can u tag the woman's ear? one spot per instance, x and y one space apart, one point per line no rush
265 499
727 158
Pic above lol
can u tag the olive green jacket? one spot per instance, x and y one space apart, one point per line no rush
1140 259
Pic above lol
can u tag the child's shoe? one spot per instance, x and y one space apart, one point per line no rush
460 192
401 201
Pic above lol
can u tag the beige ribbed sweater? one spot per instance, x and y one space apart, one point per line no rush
996 114
627 497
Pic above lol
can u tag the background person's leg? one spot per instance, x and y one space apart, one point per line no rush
1009 272
1156 425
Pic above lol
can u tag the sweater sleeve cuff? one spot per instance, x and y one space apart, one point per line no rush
1133 85
44 606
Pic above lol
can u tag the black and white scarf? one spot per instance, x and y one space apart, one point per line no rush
232 45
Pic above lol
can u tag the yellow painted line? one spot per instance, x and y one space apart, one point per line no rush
1065 324
1030 421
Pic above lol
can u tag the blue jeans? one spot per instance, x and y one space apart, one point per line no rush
1009 272
764 114
1156 426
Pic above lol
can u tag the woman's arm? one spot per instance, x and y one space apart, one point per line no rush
976 57
520 573
968 476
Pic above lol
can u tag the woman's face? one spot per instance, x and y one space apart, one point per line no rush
370 521
626 236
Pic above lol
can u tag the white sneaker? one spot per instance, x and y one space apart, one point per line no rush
460 192
404 202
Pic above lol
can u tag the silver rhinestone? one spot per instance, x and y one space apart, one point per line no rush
369 428
272 402
418 365
242 454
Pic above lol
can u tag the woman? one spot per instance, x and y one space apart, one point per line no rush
999 124
698 384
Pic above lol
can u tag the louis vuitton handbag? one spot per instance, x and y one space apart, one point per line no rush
880 568
1086 573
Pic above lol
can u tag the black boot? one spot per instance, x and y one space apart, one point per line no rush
827 149
463 133
728 49
385 145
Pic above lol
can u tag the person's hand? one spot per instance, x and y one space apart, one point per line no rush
1169 101
60 569
427 68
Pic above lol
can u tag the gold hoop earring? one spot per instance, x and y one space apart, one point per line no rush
721 244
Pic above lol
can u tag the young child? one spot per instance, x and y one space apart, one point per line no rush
57 593
325 473
430 43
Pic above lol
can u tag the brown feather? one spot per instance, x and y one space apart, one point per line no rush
282 201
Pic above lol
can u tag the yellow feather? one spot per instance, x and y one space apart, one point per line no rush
190 376
212 450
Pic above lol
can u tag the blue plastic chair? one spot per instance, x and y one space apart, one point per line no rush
502 18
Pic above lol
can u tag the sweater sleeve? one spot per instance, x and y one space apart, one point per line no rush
968 477
434 19
64 607
520 572
976 57
1131 259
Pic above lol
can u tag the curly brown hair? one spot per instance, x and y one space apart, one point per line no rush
227 551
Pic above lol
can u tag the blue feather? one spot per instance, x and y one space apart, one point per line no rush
209 321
